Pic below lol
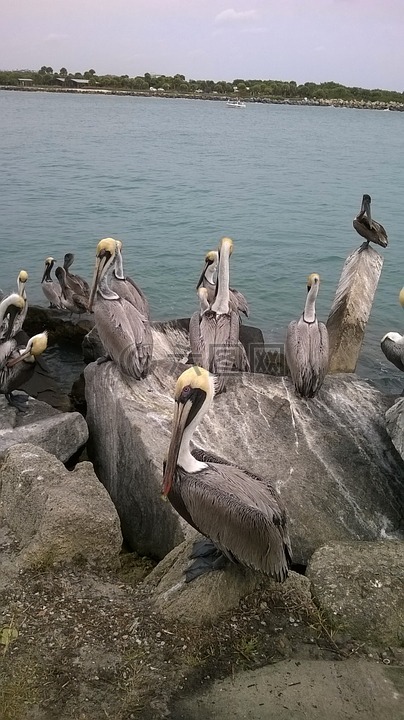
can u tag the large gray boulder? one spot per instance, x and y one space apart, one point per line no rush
56 515
207 598
59 433
360 586
330 458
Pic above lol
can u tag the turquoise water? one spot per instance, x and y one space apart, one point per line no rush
170 177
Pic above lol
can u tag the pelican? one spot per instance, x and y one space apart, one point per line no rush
125 287
214 333
240 513
17 365
392 344
11 308
208 280
367 228
51 290
307 345
70 300
124 331
77 284
21 282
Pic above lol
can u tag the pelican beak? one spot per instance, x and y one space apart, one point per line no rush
13 311
201 279
19 359
46 275
99 266
181 413
366 209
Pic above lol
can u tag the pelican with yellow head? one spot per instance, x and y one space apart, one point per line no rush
12 308
124 331
307 345
208 280
214 332
240 514
18 365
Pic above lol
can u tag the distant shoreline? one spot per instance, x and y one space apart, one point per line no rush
354 104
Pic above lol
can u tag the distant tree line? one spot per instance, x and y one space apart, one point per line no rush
178 84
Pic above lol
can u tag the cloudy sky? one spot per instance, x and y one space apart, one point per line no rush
355 42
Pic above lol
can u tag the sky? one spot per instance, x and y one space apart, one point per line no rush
353 42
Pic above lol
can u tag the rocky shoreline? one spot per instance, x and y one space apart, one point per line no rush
95 617
335 103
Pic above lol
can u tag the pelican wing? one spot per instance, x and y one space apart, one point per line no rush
239 302
6 349
125 335
240 515
393 351
138 295
307 355
53 293
375 233
78 285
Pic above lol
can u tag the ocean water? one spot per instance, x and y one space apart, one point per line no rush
170 177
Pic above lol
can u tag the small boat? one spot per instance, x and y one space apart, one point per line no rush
236 103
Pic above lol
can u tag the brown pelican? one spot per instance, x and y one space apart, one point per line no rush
124 332
77 284
21 282
208 279
307 345
11 307
214 333
392 345
17 364
368 228
125 287
70 300
51 290
240 513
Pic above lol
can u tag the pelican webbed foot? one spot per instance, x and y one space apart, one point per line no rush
206 558
20 402
364 246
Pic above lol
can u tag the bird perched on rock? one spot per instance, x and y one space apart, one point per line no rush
17 365
240 514
368 228
306 345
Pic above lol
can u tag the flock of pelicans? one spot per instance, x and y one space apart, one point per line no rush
241 515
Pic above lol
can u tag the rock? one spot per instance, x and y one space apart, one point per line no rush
61 434
59 324
92 346
395 425
360 586
43 387
286 690
351 308
128 432
329 457
203 600
56 515
170 340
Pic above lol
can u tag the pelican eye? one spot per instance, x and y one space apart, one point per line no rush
104 254
186 391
